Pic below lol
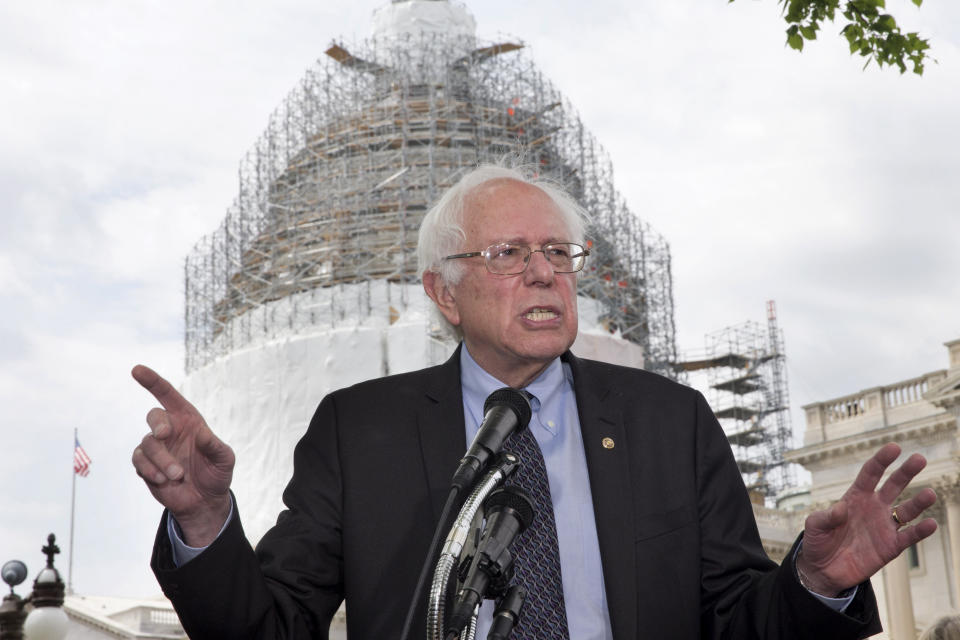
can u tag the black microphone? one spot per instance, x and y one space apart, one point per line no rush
507 614
508 511
505 411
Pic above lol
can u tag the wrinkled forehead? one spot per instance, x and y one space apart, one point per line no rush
507 210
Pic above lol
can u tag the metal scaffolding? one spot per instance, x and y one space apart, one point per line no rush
745 366
333 192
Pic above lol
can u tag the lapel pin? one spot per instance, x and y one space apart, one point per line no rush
608 443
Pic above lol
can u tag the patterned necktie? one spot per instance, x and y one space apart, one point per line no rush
536 552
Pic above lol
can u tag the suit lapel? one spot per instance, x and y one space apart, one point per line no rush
599 406
440 422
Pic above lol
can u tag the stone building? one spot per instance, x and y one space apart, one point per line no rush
920 414
103 618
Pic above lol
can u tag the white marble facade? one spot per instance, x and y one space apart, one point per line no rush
920 414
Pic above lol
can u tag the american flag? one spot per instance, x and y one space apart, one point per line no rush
81 461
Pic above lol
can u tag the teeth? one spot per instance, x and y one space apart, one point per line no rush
539 315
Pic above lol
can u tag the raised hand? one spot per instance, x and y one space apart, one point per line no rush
184 464
853 539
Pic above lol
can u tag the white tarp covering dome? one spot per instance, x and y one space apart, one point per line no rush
416 18
259 398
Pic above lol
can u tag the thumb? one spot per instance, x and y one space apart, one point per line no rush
827 520
213 448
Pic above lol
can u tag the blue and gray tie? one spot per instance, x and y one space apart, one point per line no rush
536 552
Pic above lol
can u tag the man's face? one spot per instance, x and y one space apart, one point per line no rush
513 325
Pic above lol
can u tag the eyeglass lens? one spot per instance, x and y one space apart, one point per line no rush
507 259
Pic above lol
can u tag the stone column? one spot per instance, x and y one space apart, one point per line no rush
950 494
896 580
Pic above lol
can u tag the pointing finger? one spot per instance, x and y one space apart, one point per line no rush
163 391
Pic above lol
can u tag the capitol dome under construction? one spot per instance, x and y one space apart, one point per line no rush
310 283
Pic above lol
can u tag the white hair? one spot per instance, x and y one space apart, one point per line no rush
946 628
442 234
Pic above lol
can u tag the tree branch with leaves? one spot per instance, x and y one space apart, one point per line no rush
870 33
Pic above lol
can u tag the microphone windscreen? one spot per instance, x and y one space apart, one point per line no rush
513 399
515 498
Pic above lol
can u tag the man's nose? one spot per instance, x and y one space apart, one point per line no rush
539 268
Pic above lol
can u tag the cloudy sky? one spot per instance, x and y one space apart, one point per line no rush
774 175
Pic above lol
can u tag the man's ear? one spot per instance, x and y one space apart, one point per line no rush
442 296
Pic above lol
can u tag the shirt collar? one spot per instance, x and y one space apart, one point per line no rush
477 384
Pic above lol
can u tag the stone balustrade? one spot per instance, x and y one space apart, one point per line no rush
869 409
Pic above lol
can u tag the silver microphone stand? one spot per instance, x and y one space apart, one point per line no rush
456 541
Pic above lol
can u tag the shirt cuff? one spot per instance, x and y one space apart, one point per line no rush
838 604
182 552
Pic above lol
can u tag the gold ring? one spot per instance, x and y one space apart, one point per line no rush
896 518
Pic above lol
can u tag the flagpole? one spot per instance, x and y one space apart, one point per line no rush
73 504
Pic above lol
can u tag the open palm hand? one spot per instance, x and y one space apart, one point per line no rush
853 539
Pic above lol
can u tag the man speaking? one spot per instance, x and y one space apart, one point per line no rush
643 527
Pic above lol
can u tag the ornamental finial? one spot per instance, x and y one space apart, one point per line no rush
51 549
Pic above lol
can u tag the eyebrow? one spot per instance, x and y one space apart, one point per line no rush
518 240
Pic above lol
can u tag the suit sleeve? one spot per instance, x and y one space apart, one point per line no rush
291 586
744 595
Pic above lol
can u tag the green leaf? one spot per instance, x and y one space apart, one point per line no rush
916 43
854 33
886 22
809 33
918 3
866 7
795 40
796 10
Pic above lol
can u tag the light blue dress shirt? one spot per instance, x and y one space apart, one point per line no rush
556 426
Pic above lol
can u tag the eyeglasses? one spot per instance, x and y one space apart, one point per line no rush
507 259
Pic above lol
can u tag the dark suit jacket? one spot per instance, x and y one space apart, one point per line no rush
680 550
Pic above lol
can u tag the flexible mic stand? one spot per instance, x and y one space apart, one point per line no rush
508 410
508 511
456 540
